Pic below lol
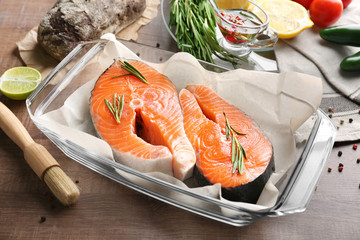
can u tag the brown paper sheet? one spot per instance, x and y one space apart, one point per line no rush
35 56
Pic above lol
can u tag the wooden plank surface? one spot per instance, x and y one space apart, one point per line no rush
108 210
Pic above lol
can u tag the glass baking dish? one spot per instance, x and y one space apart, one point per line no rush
295 187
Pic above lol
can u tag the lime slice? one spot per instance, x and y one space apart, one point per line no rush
19 82
287 17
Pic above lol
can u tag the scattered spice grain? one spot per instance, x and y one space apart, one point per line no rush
329 169
330 115
42 219
341 121
341 167
351 120
157 45
358 160
355 146
331 109
339 153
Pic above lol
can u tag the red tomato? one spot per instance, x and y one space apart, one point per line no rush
346 3
305 3
325 12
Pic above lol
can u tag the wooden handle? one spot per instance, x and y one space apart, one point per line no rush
11 125
35 154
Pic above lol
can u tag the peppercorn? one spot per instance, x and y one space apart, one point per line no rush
351 120
330 115
331 109
339 153
358 160
42 219
354 146
341 167
329 169
341 121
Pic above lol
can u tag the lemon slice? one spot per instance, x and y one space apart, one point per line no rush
19 82
229 4
287 17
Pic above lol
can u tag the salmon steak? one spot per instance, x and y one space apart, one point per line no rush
150 134
205 125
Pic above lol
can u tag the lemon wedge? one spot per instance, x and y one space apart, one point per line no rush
287 17
19 82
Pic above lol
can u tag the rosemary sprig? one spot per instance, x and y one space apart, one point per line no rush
132 71
193 22
116 107
237 151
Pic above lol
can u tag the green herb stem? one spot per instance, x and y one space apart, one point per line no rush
193 22
132 71
237 151
116 107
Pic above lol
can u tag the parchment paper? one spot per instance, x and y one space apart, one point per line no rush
278 103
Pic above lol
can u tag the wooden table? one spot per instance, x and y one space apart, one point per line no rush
108 210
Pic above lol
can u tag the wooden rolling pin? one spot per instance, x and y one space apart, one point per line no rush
39 159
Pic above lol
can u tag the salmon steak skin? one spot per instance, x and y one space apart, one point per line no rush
205 126
150 136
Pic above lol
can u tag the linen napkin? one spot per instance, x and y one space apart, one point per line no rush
309 53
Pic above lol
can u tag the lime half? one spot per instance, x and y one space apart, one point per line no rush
19 82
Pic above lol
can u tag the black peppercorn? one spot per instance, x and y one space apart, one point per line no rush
42 219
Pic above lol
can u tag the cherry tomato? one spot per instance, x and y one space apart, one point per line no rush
346 3
306 3
325 12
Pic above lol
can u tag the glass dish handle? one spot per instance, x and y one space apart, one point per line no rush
300 189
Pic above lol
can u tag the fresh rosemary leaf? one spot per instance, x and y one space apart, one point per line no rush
128 74
237 131
117 106
233 149
237 151
132 71
193 22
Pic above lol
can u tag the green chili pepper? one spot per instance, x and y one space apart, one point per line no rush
345 34
351 63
